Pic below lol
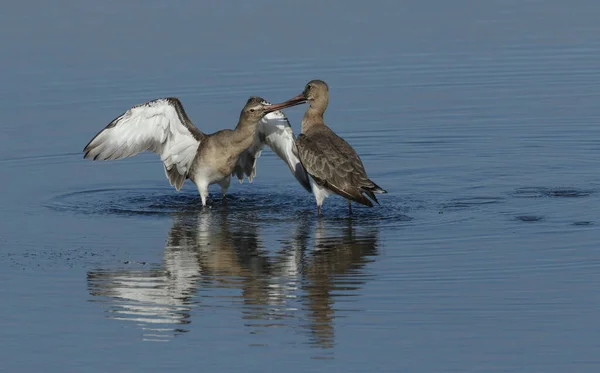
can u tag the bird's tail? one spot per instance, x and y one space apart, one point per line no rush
371 189
376 188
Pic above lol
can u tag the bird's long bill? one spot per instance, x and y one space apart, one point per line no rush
300 99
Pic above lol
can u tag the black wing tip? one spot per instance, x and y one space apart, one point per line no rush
375 188
86 153
307 187
304 181
371 195
356 195
369 203
372 189
352 193
360 198
171 100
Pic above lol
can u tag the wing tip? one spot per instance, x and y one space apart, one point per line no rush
374 188
371 195
360 198
305 183
89 154
175 178
353 194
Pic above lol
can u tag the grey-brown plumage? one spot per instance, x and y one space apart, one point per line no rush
331 162
163 127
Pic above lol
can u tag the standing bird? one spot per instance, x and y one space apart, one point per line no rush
163 127
331 162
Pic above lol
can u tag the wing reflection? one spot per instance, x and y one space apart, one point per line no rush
293 280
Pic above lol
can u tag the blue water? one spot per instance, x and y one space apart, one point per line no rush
479 118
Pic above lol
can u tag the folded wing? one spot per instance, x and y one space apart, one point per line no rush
160 126
333 164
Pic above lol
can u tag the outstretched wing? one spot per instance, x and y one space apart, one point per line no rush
274 130
333 163
160 126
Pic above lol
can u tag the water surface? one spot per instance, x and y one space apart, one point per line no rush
479 118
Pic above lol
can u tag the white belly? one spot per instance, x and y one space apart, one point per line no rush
207 176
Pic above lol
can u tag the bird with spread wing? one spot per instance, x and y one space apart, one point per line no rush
163 127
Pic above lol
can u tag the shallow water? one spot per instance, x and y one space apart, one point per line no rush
479 118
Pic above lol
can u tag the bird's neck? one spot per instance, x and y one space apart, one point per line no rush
313 117
243 135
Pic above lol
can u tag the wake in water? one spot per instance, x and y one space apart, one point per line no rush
287 205
284 205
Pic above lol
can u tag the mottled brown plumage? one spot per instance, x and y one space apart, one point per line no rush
331 162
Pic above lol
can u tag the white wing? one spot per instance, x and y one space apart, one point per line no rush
275 130
161 126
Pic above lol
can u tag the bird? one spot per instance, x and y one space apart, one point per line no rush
332 163
163 127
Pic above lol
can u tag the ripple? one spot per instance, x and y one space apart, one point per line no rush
529 218
269 206
126 201
41 159
468 202
583 223
540 192
45 259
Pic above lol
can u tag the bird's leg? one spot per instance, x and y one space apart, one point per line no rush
319 213
349 208
203 190
224 186
225 200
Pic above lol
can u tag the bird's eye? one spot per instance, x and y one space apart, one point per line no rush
252 110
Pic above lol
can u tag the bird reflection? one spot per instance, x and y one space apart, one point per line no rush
334 266
293 280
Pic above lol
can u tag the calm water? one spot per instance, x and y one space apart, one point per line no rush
479 118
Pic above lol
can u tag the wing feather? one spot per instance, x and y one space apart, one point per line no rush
333 163
274 130
160 126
